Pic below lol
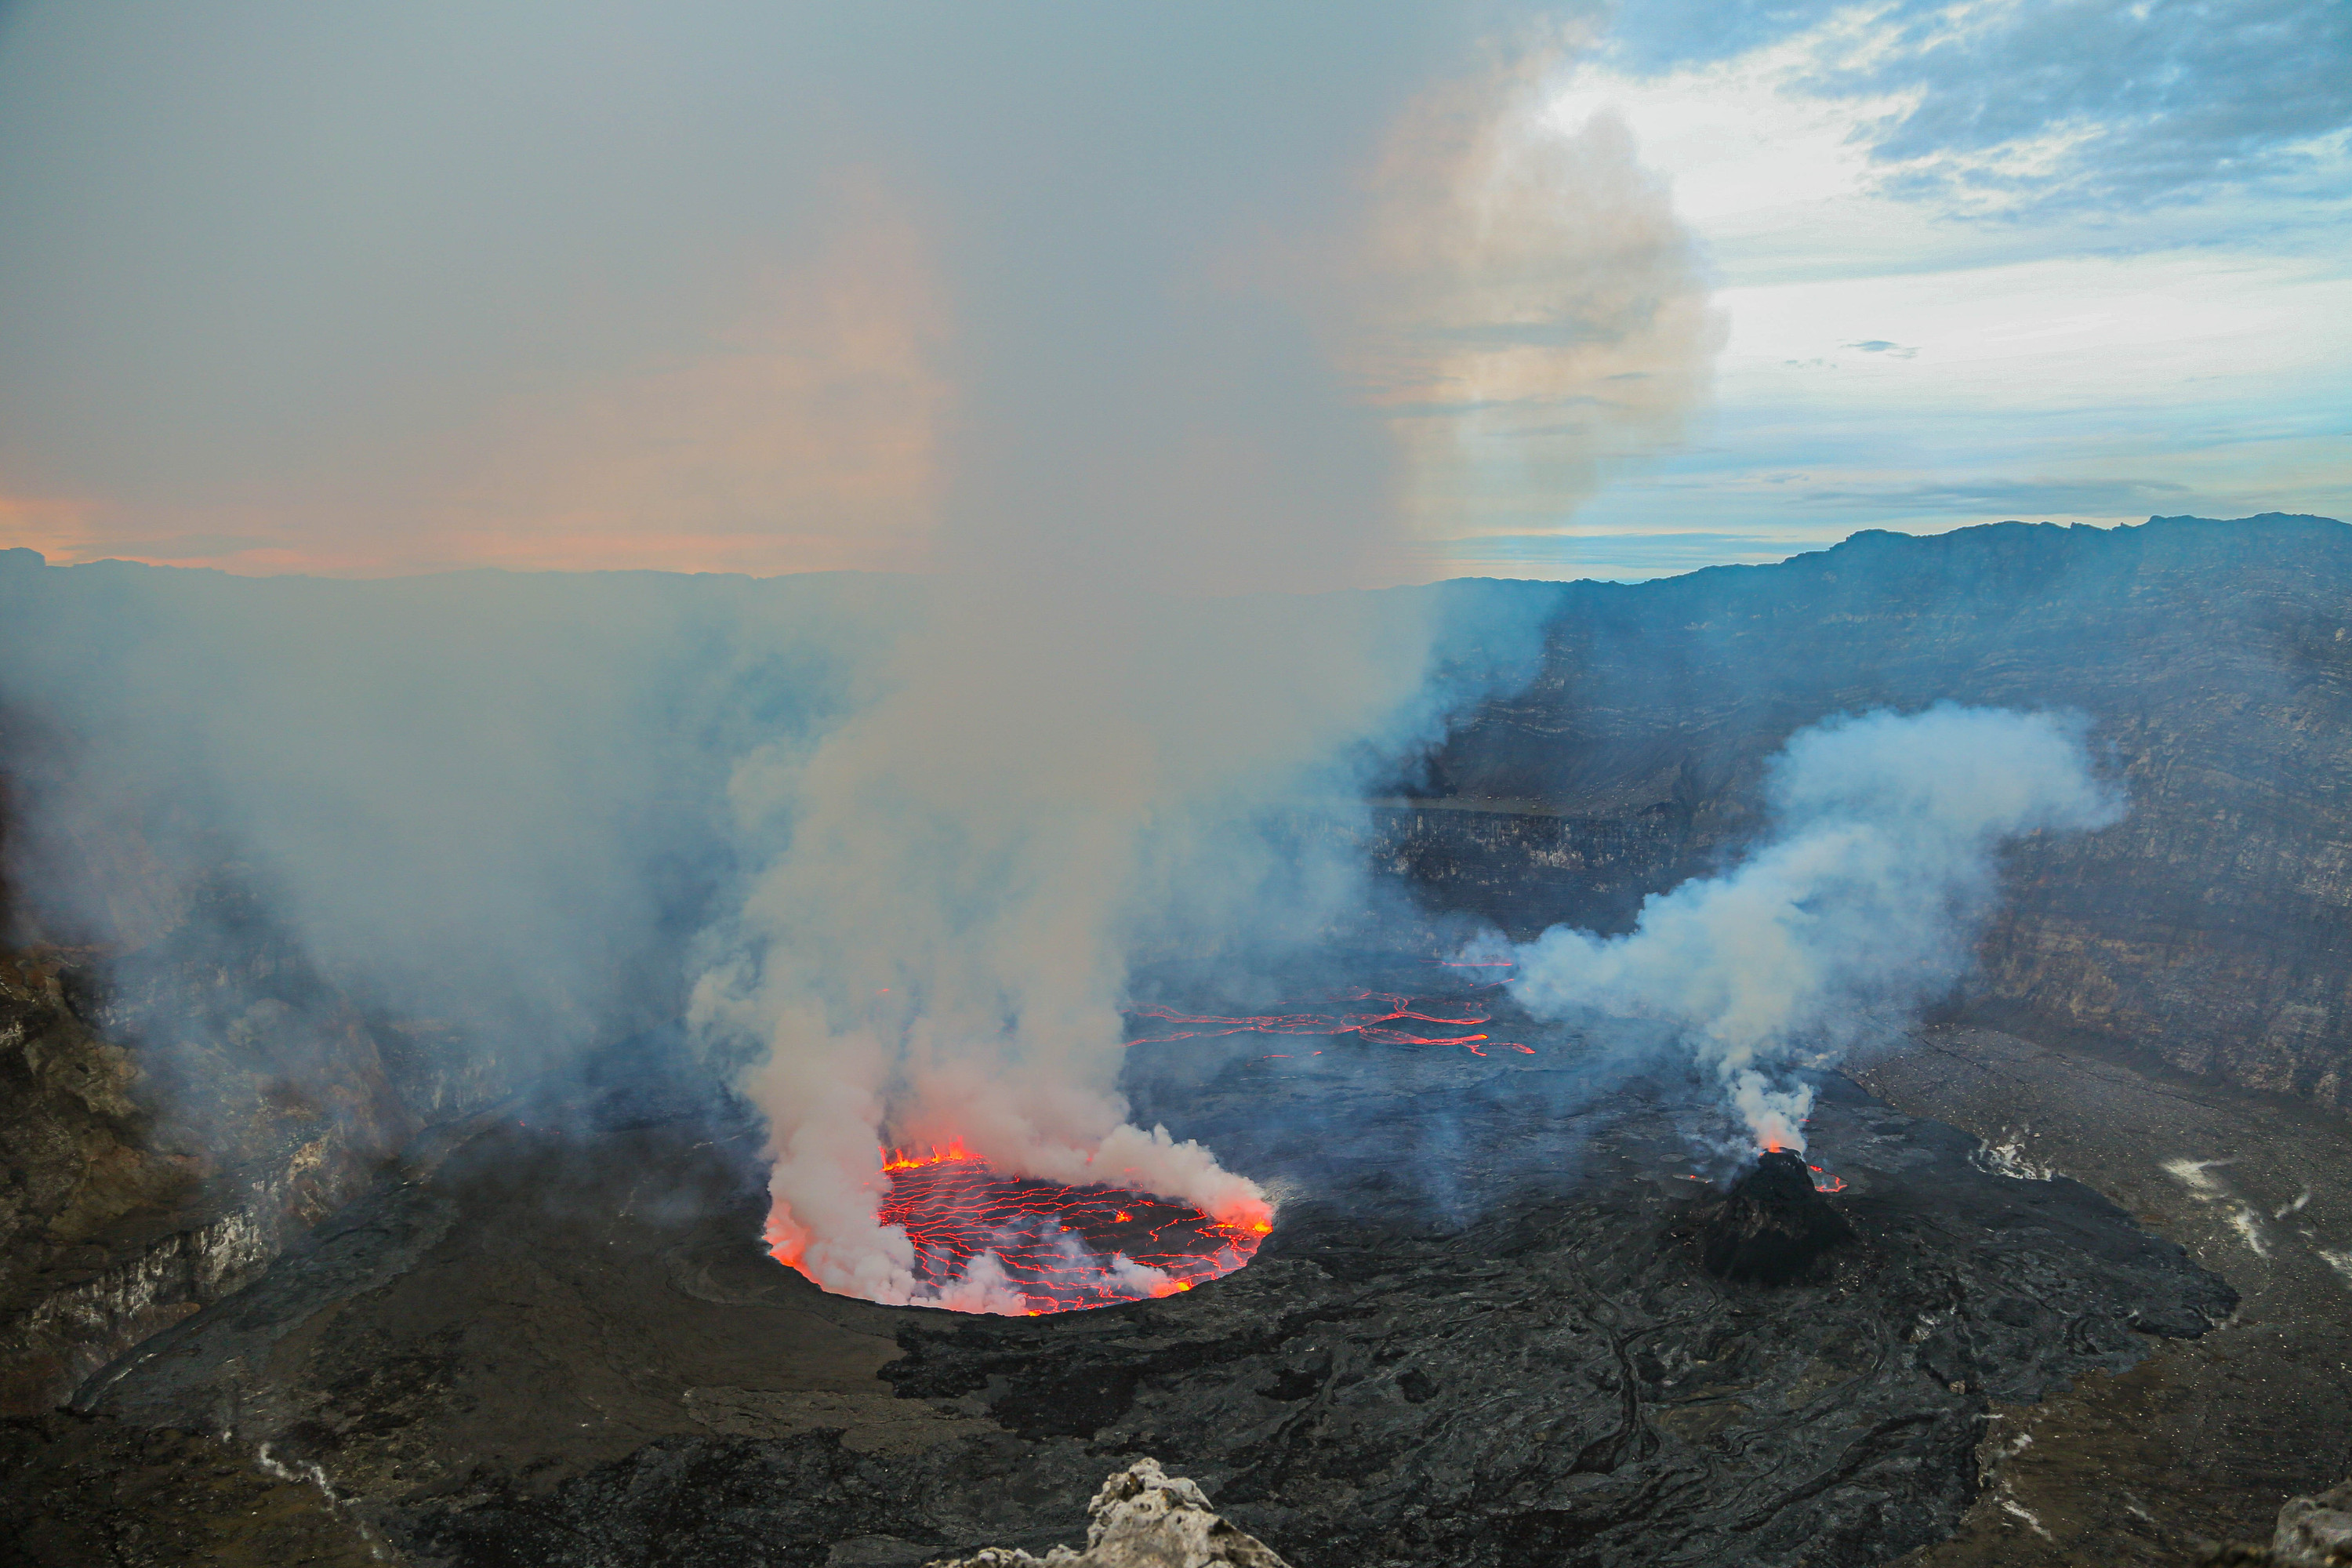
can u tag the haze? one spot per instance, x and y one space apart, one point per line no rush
771 289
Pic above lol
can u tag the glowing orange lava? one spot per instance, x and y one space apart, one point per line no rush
1395 1008
1822 1180
907 1160
1061 1247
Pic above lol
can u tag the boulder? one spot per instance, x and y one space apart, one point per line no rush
2316 1532
1142 1517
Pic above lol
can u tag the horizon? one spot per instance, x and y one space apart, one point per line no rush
1824 548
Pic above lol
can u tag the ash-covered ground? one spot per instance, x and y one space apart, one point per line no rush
1481 1332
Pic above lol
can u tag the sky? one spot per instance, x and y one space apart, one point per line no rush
1544 291
2075 262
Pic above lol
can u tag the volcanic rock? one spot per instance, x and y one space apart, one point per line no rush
2316 1532
1142 1517
79 1490
1773 1227
165 1134
1463 1343
2214 660
2312 1532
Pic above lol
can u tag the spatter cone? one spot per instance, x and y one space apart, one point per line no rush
1772 1228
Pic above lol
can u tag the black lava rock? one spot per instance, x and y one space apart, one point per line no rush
1464 1343
1772 1228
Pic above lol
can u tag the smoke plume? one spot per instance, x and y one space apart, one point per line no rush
938 949
1113 323
1865 900
1534 312
1080 749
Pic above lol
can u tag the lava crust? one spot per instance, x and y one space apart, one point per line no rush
1481 1332
1056 1246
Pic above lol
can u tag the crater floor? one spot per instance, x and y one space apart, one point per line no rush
2206 1440
1480 1334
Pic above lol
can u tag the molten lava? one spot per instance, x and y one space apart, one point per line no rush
1823 1181
1369 1025
1060 1247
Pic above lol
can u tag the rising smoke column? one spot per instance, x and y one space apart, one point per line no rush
1081 742
1536 311
1866 897
939 951
1099 305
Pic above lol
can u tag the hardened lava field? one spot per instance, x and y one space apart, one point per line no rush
1062 1248
1484 1334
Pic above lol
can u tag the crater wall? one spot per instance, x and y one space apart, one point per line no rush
2212 930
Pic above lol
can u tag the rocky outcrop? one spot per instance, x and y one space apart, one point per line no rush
2214 660
1142 1517
75 1161
2316 1532
172 1117
2312 1532
120 1225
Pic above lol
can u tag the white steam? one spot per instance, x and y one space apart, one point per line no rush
1071 756
1342 307
1865 901
939 949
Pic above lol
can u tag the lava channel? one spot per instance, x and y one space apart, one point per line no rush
1393 1007
1063 1248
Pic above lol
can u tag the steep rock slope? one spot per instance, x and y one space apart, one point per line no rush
170 1117
2214 660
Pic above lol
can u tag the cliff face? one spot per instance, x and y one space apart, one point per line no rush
2211 929
158 1151
169 1119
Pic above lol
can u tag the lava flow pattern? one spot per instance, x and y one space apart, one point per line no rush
1367 1026
1059 1246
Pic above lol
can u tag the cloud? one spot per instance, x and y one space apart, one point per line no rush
2105 104
2075 343
1632 316
1880 346
1662 35
2055 109
732 286
2023 497
807 434
1515 265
